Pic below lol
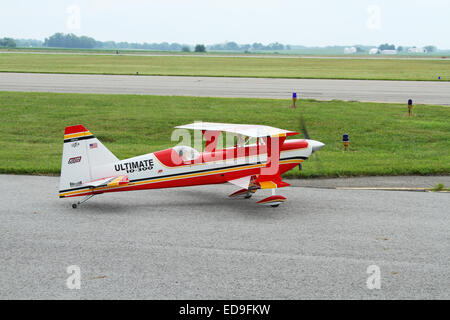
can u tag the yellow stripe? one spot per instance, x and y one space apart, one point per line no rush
115 182
278 135
192 175
290 161
180 177
76 135
268 185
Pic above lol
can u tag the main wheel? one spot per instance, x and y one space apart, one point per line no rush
275 205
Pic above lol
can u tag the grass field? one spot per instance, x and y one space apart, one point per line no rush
384 141
376 69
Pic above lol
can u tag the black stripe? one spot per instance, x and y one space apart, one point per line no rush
294 158
198 171
79 138
192 172
171 175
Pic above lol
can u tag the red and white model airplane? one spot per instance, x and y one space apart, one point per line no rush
89 168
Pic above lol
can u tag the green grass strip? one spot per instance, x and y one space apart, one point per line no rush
383 139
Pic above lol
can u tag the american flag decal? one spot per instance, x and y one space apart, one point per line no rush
93 145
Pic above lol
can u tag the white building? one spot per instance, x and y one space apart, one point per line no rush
388 51
350 50
417 50
374 51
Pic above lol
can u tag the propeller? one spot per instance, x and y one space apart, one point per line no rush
304 131
302 126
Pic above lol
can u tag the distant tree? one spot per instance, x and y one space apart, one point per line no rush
61 40
430 48
28 43
257 46
400 48
200 48
164 46
386 46
123 45
275 46
7 42
175 47
231 46
186 49
216 47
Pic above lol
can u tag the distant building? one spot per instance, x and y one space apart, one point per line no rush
417 50
374 51
388 51
350 50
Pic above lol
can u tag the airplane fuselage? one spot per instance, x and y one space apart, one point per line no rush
163 169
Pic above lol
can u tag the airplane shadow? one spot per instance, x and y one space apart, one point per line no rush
185 200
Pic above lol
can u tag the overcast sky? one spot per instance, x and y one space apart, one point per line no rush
311 23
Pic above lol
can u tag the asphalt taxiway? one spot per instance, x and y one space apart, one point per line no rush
192 243
422 92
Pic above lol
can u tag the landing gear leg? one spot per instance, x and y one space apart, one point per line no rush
274 193
75 205
250 192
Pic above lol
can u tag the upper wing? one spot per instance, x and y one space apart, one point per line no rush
250 130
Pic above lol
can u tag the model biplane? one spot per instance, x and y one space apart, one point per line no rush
256 162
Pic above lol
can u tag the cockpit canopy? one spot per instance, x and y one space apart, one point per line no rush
186 153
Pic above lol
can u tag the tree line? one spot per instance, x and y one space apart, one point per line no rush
8 42
70 40
233 46
61 40
387 46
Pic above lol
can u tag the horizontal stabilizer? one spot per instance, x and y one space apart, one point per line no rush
243 182
108 182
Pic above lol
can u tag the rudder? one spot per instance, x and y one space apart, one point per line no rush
82 152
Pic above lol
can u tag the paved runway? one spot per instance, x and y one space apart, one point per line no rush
229 55
421 92
197 243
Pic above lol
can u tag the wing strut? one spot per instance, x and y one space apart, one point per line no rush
270 177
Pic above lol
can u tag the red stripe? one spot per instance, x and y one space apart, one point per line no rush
168 156
186 182
272 199
75 129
